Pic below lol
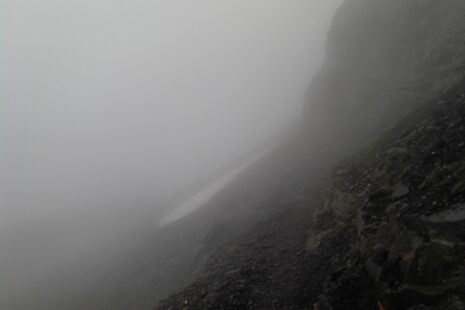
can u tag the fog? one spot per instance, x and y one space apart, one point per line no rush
110 108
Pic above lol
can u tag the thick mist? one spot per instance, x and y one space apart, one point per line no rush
111 108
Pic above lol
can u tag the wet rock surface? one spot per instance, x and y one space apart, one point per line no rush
413 239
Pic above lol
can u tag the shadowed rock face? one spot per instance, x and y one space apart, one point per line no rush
384 59
384 228
413 244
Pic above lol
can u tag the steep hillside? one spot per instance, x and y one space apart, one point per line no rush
384 59
381 229
403 199
387 230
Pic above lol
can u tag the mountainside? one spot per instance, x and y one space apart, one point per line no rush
405 197
384 59
366 208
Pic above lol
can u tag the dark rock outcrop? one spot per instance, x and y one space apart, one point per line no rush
413 243
384 59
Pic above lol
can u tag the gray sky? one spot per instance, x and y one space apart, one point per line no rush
114 104
116 98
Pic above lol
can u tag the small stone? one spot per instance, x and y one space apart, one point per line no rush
384 236
458 188
400 191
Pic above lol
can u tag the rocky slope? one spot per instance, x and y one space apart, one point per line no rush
381 229
405 195
386 231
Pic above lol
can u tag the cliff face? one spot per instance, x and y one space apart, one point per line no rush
384 59
384 228
402 203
